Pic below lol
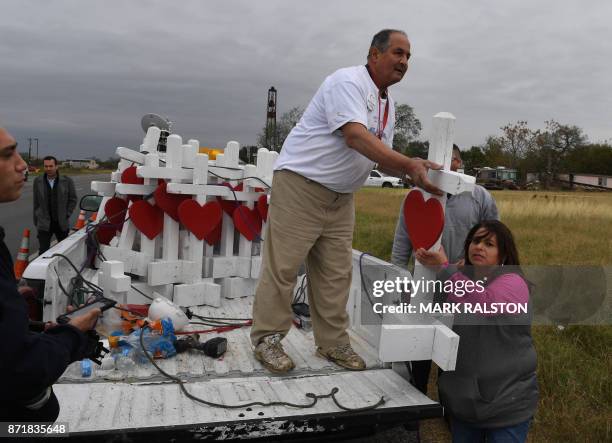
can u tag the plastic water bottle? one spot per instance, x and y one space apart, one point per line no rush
124 359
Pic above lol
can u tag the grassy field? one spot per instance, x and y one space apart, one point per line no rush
574 364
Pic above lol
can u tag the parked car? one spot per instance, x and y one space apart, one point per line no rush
379 180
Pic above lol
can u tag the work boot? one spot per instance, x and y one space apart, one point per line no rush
272 356
343 355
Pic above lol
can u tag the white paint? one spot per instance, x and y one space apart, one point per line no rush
113 281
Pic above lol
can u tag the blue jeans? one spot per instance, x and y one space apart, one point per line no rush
465 433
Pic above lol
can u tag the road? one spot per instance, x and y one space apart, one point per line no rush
17 215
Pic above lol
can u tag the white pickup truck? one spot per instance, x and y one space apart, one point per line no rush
379 180
140 402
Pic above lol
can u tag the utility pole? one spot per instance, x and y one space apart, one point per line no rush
36 139
30 149
271 132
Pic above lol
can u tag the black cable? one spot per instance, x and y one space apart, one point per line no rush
314 397
90 284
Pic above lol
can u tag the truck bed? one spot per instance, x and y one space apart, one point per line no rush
143 403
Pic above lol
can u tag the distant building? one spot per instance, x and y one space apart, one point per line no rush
596 180
87 163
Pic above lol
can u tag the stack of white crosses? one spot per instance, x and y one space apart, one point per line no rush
176 217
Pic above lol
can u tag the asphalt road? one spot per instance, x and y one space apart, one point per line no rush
17 215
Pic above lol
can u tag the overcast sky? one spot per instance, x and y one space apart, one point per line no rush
79 75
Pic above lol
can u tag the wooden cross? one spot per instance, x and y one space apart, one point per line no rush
428 337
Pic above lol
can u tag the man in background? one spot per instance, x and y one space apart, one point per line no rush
54 200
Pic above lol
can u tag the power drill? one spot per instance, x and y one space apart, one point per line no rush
214 347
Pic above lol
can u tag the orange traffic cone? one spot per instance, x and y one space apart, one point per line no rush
80 221
22 256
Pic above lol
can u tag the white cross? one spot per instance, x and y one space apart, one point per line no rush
427 338
449 182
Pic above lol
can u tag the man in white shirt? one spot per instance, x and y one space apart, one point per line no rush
345 130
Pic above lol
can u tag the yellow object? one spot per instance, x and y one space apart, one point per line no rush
212 152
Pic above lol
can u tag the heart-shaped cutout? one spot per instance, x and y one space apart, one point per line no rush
262 207
148 219
201 220
215 236
129 176
230 205
115 210
168 202
424 220
105 233
247 221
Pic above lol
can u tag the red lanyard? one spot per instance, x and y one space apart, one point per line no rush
380 131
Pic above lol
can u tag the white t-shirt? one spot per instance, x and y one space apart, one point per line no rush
316 149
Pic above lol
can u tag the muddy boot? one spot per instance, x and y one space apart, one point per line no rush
270 353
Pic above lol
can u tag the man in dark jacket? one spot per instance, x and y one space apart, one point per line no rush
29 362
54 200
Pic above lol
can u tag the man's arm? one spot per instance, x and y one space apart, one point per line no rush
357 137
402 247
32 361
488 208
72 198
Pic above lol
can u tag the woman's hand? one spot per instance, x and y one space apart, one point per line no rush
431 259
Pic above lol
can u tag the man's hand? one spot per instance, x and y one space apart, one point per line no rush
418 173
86 321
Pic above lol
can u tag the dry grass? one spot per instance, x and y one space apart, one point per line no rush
574 365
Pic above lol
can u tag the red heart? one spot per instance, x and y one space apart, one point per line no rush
115 210
147 218
230 205
105 233
201 220
129 176
168 202
214 237
247 221
262 207
424 220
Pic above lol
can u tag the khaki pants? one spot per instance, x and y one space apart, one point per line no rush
306 221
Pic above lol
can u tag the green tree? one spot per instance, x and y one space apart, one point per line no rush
473 158
494 152
554 145
407 128
516 141
417 148
589 159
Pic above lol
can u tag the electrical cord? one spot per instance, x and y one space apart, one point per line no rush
314 397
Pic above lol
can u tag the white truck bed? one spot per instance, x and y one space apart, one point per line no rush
141 403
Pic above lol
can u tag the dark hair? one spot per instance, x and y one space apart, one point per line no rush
50 157
381 40
456 149
505 241
506 248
